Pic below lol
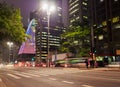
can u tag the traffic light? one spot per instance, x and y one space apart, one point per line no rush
33 59
94 50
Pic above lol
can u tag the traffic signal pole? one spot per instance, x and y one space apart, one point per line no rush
92 36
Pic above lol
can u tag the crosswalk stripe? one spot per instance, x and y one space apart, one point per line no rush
47 72
38 73
30 74
23 75
43 72
16 77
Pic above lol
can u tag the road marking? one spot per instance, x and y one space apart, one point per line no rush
101 78
16 77
38 73
87 86
52 79
23 75
30 74
43 74
0 80
68 82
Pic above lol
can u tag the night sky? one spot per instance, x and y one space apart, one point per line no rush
26 6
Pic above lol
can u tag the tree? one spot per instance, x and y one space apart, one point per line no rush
11 27
76 39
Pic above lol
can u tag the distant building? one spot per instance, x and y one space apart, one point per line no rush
78 11
56 29
27 49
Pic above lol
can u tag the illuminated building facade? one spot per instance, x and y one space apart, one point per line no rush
106 25
55 30
104 17
78 11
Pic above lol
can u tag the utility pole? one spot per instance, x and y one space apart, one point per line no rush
92 35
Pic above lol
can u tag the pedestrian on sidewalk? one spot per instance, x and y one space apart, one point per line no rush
86 62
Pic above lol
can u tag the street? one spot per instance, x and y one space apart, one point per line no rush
58 77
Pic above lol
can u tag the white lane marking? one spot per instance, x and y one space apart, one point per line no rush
103 78
30 74
87 86
0 80
68 82
23 75
43 74
16 77
38 73
52 79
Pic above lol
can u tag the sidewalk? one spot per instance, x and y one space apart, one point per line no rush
99 68
110 69
72 68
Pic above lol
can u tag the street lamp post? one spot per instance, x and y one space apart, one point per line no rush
48 32
10 44
49 10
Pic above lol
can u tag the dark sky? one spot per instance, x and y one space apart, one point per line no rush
26 6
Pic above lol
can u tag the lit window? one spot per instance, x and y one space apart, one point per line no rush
59 14
84 3
77 18
104 23
74 11
100 37
72 20
85 17
115 19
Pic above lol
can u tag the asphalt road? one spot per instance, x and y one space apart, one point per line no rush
60 77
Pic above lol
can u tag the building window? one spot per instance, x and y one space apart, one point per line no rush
72 20
100 37
84 3
74 11
59 14
85 17
77 18
73 7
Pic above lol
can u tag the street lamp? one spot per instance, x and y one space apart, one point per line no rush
49 9
10 44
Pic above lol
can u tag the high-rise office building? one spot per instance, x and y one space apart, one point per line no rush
78 11
55 30
106 25
104 18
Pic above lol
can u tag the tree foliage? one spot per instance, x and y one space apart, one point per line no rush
11 27
76 39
